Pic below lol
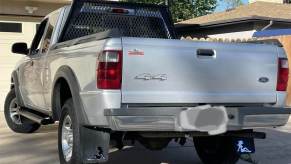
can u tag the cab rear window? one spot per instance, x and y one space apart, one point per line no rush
131 20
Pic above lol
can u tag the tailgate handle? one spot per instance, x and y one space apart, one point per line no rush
206 53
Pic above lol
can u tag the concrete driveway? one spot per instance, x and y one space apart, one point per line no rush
41 148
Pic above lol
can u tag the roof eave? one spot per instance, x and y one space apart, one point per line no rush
231 22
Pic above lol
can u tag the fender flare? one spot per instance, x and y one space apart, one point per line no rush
67 73
17 89
90 138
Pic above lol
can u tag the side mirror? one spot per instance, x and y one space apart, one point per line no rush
20 48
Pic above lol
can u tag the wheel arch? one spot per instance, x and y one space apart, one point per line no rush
66 85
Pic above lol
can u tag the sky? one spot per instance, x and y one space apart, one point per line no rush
222 6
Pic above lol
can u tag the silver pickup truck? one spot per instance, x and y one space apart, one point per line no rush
113 72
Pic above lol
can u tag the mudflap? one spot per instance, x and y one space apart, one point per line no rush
244 145
95 145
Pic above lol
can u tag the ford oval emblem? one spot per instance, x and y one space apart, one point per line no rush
264 80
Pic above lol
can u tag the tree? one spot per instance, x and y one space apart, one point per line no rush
185 9
204 7
230 4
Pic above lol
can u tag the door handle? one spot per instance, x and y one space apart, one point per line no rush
206 53
31 62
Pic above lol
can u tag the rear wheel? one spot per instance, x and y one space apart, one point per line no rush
216 150
69 136
14 121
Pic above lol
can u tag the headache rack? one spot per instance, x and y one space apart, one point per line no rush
131 19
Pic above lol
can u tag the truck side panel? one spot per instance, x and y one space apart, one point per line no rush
81 59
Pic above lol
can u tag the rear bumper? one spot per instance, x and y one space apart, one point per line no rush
168 119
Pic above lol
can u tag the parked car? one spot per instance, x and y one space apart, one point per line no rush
112 72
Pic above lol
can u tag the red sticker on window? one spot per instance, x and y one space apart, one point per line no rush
136 52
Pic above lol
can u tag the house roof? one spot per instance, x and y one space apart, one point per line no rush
253 11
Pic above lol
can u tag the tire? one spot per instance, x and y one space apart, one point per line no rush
216 150
68 113
15 122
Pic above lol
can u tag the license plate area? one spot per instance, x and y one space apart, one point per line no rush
205 119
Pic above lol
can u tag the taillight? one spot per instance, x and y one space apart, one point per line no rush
283 74
109 72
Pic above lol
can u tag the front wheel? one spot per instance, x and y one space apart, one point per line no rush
14 121
216 150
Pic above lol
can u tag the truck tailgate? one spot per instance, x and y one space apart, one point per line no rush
175 71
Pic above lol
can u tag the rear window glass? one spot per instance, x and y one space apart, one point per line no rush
131 26
138 21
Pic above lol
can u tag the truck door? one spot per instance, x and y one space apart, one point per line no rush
32 87
45 74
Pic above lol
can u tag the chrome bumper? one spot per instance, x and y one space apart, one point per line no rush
167 119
